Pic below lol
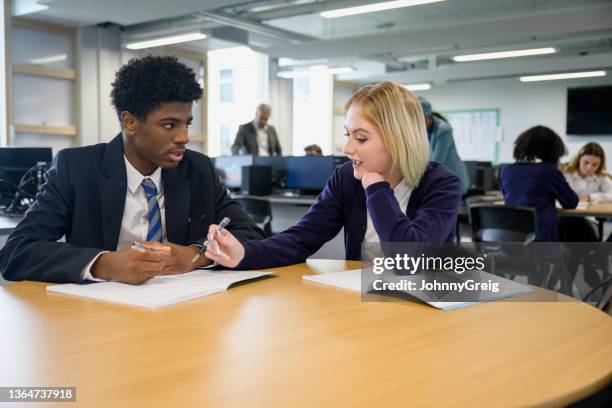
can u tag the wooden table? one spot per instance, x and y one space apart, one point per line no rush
285 342
601 211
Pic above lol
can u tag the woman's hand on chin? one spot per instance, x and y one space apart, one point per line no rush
370 178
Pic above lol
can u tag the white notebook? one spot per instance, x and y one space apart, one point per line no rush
161 290
351 280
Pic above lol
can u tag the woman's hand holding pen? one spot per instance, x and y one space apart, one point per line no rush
224 248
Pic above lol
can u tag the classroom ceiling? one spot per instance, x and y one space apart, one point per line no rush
409 45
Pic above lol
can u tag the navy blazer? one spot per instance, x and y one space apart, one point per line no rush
431 216
538 185
83 200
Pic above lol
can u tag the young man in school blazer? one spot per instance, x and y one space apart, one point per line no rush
143 185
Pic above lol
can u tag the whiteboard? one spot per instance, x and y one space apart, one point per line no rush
477 133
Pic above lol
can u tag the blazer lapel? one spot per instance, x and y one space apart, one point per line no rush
177 196
113 187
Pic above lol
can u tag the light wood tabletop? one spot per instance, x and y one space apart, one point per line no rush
593 210
281 341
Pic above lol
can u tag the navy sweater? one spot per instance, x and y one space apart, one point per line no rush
430 217
538 185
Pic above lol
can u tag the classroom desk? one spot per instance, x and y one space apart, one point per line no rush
284 342
601 211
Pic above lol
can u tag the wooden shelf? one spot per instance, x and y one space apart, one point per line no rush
46 130
44 71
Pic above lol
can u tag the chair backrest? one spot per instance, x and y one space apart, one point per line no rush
605 302
502 223
260 211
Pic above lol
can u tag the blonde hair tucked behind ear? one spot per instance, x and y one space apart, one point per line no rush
399 116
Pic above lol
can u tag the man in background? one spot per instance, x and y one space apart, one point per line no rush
257 137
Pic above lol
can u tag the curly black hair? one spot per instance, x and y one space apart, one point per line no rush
539 142
144 83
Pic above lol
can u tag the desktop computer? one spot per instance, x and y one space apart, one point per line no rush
22 173
309 174
230 168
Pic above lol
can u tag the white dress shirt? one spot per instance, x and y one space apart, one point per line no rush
135 224
598 188
262 140
368 252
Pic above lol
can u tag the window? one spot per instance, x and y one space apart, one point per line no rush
226 92
226 140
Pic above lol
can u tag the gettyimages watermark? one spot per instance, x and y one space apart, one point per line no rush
484 272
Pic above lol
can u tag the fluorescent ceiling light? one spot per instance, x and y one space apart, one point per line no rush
139 45
321 69
418 87
570 75
23 7
370 8
504 54
49 59
285 62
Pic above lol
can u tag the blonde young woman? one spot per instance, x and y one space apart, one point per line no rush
388 192
586 174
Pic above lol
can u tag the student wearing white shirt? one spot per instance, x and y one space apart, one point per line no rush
143 186
586 174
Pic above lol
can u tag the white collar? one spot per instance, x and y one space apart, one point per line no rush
257 128
401 188
134 178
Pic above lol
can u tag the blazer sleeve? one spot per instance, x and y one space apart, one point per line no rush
32 251
276 147
561 189
321 223
434 220
239 141
241 224
441 144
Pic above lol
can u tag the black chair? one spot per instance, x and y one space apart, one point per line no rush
605 302
517 227
502 223
260 211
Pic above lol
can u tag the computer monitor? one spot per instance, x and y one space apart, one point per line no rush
278 165
15 161
232 167
309 172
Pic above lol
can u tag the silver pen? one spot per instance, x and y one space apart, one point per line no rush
221 226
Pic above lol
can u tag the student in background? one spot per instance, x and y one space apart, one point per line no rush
536 181
313 150
388 192
143 185
442 143
586 174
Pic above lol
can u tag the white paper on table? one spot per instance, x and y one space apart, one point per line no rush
351 280
161 290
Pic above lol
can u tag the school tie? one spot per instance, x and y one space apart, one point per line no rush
155 225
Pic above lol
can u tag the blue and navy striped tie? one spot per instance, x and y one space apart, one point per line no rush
155 225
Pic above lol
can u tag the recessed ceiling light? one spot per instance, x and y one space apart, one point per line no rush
570 75
176 39
504 54
370 8
418 87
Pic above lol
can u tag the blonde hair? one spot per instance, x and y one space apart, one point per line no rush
398 115
591 149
